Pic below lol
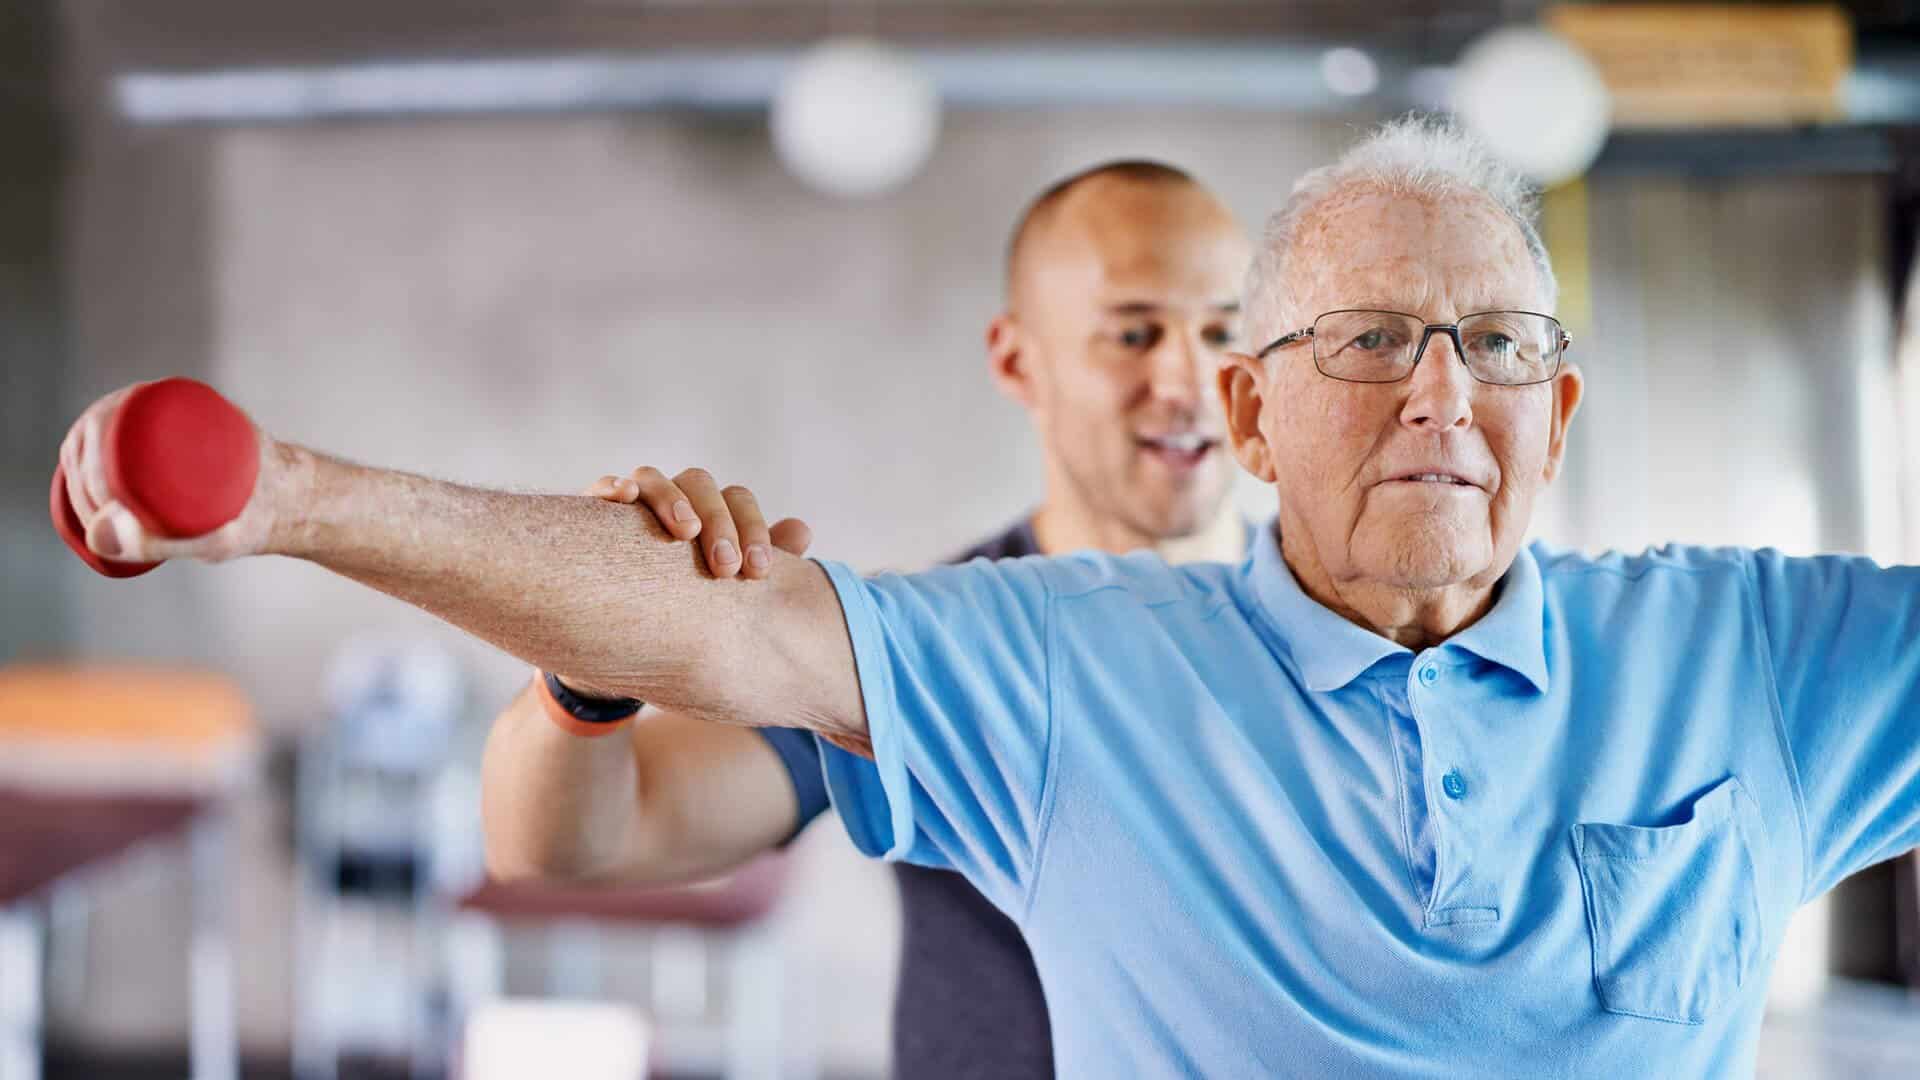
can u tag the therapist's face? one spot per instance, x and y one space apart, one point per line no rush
1125 308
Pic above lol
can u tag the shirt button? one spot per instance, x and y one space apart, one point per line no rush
1454 784
1429 675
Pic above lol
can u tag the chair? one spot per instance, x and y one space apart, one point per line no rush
374 854
686 926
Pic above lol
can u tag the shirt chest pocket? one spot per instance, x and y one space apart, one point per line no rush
1673 911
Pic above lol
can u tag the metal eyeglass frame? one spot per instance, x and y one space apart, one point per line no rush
1563 341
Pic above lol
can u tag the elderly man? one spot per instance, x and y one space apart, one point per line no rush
1122 297
1397 796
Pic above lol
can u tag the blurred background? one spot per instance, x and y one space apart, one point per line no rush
526 242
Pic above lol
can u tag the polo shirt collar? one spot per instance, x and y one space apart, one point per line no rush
1331 651
1514 633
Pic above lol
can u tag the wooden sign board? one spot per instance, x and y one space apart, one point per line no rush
1700 65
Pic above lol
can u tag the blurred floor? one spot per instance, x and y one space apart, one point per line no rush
74 1065
1853 1031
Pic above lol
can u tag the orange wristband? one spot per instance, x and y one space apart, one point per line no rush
568 722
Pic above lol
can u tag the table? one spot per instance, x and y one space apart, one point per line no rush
47 841
95 763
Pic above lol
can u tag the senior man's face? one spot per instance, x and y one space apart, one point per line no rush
1424 484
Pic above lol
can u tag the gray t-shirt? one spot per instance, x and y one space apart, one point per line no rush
969 1005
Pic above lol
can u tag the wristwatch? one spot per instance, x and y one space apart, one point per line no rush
583 715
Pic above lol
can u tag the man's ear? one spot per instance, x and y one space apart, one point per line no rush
1008 359
1242 384
1568 387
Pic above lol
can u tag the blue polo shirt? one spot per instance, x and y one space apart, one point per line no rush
1245 837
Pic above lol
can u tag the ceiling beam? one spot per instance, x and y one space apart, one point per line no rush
225 34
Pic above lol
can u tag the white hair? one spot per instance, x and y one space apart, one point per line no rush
1410 156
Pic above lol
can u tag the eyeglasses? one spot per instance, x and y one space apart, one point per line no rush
1505 348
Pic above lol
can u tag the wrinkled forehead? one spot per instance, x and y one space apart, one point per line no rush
1436 257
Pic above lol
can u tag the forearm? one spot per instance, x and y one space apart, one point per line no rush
666 799
556 805
579 586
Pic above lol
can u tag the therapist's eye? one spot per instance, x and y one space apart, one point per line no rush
1219 337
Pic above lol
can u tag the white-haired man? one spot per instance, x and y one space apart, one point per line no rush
1397 796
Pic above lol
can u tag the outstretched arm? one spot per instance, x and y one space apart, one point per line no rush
567 583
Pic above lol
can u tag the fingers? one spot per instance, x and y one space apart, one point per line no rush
116 535
720 540
618 489
791 535
93 465
669 503
113 533
734 533
752 526
70 450
83 457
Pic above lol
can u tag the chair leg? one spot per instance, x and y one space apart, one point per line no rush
428 1033
214 1041
677 986
316 1043
476 973
69 926
757 1048
22 955
573 959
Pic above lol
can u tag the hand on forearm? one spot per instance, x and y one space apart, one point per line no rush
675 798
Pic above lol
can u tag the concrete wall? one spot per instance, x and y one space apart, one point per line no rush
33 330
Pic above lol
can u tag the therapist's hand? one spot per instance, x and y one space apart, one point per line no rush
734 535
691 506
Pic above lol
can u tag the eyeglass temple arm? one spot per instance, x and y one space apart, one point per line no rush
1283 342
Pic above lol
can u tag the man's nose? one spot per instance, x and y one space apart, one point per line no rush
1176 373
1440 390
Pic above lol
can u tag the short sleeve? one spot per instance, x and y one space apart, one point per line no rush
953 672
800 754
1844 639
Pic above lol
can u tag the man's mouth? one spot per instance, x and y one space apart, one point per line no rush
1441 479
1181 451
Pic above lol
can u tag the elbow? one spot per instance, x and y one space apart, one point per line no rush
519 851
521 848
512 863
515 864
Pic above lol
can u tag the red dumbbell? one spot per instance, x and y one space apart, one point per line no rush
181 458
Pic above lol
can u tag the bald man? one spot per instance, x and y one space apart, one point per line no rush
1121 286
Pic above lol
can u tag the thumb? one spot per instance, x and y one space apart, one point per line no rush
116 535
791 535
